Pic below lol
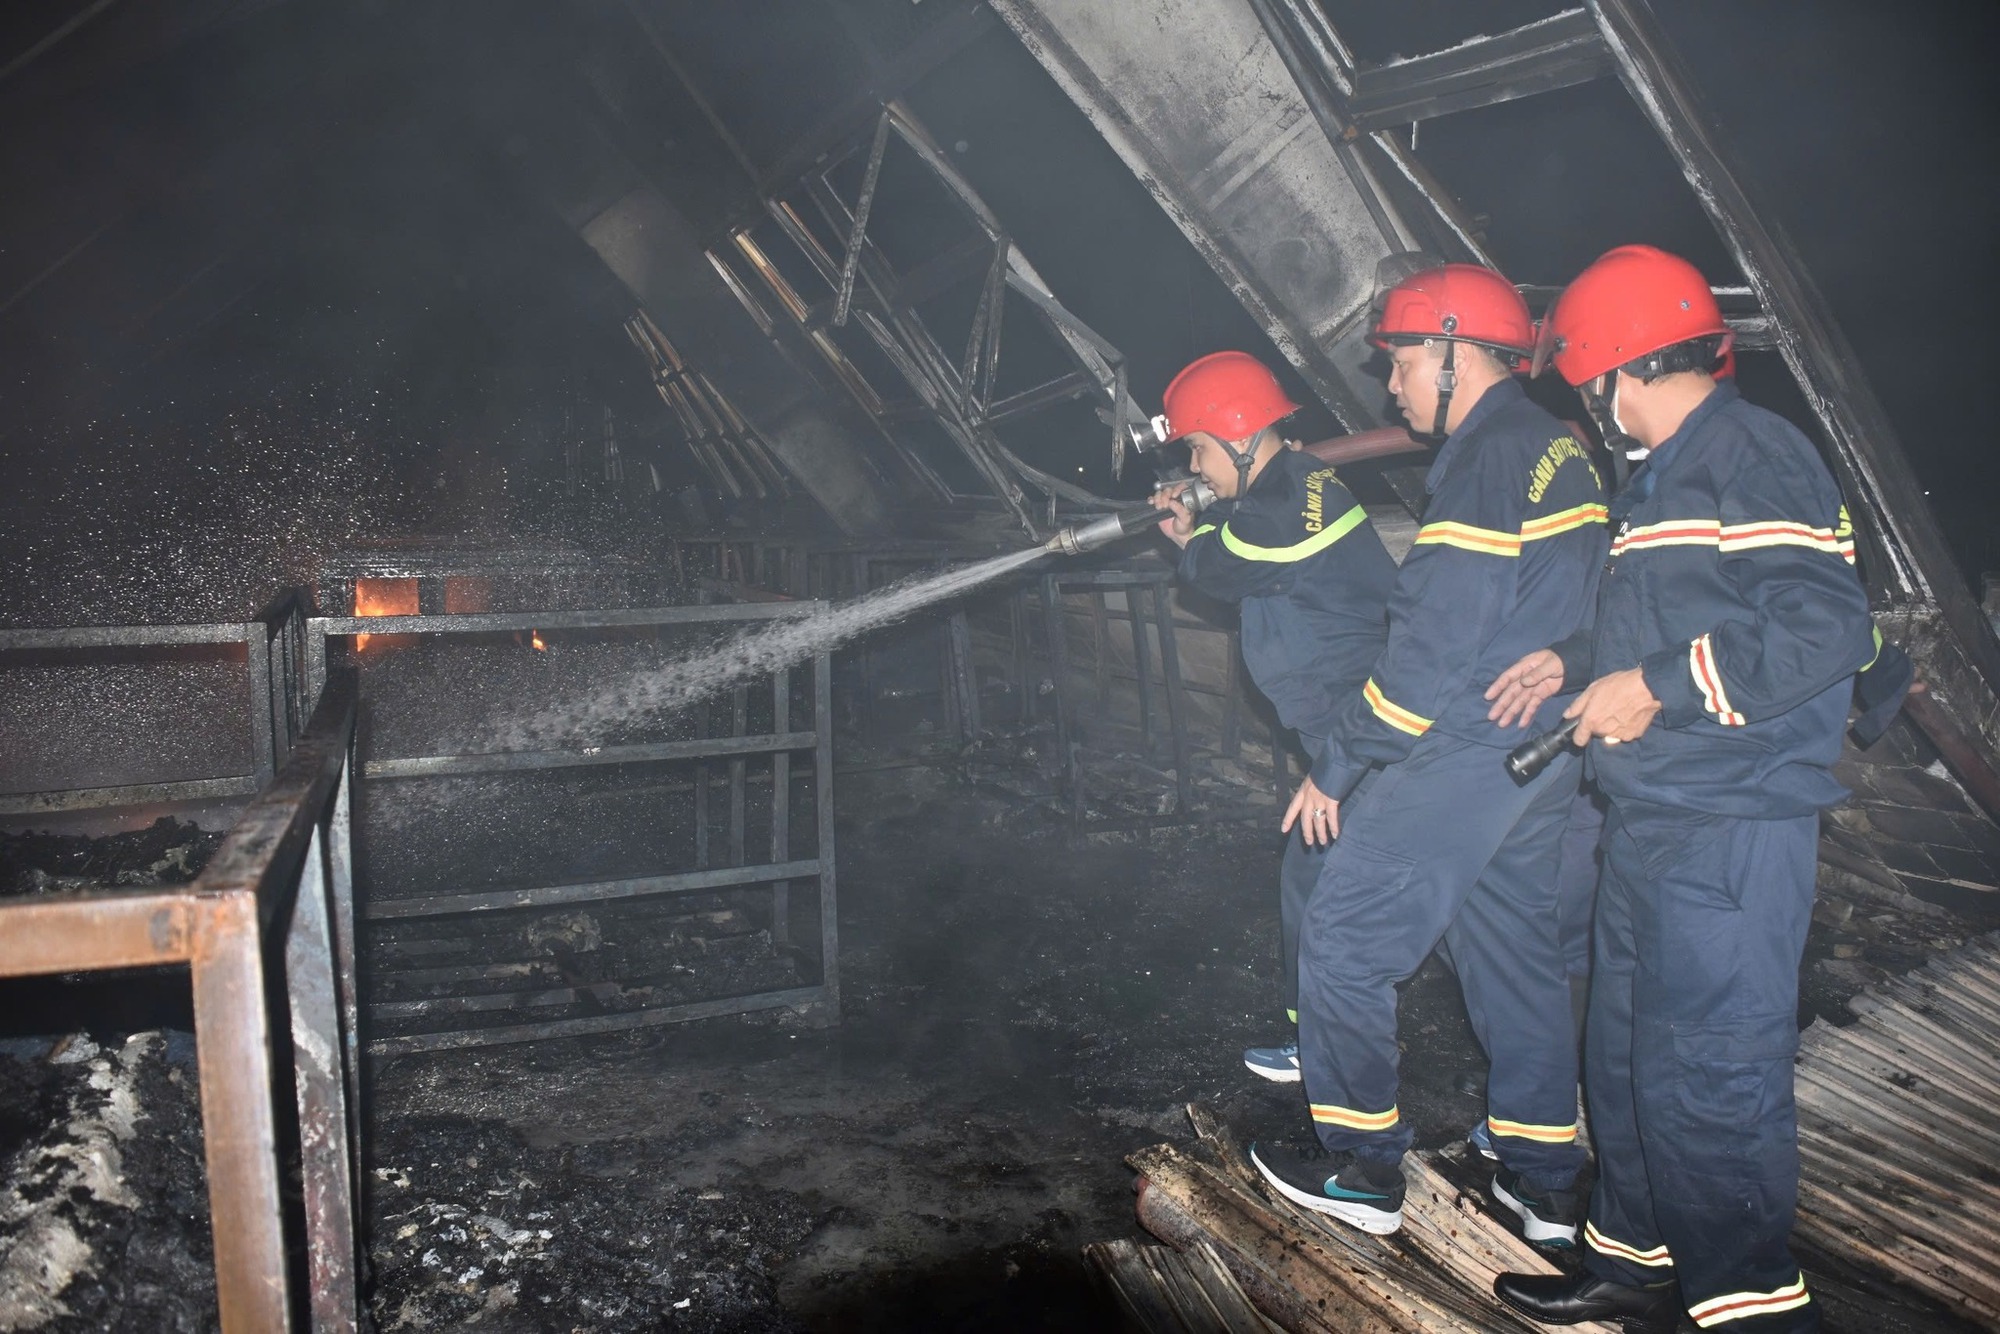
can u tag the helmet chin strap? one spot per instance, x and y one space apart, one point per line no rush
1245 459
1447 385
1604 413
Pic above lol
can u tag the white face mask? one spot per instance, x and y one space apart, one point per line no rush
1611 400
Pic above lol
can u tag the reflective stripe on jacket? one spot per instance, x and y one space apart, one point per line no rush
1731 585
1312 579
1506 562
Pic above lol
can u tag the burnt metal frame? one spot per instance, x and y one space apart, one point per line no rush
959 398
731 451
1133 583
273 650
865 288
779 872
279 893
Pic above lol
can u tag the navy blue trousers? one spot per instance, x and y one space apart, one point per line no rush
1298 872
1701 920
1577 875
1443 845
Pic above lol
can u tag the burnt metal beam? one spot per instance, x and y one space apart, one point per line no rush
518 761
489 622
797 998
850 264
1267 203
125 636
596 891
1076 384
1287 35
130 794
1551 53
1866 455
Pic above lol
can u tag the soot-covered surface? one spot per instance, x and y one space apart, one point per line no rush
103 1218
1019 1012
166 852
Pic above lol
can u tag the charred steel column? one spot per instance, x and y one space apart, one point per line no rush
239 1130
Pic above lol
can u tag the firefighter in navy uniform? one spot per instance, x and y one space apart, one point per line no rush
1286 542
1433 839
1729 629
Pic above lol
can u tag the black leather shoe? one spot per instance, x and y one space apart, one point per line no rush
1571 1299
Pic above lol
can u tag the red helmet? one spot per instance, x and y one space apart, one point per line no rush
1633 302
1230 395
1467 302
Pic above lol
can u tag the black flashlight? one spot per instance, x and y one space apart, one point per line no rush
1529 758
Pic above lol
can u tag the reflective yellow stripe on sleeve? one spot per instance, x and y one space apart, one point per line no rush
1468 538
1876 656
1564 521
1392 713
1312 546
1205 528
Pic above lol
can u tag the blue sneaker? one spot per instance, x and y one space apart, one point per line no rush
1278 1064
1481 1138
1363 1194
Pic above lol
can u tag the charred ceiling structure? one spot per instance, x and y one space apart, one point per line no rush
482 475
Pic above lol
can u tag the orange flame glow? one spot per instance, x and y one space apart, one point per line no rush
535 638
383 597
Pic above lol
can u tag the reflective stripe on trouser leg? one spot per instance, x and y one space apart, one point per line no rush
1298 872
1414 839
1715 911
1506 943
1621 1240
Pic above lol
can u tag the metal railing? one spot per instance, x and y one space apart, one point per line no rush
276 708
446 1016
277 895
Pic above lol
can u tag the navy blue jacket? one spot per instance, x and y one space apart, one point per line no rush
1506 562
1732 587
1312 578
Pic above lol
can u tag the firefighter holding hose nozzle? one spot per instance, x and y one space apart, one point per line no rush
1285 541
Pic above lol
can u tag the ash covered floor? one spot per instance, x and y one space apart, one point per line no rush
1020 1011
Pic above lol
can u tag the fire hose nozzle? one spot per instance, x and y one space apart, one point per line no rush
1193 493
1527 760
1081 537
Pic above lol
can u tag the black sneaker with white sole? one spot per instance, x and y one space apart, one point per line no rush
1548 1217
1363 1194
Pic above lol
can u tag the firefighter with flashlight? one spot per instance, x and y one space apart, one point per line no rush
1286 542
1729 628
1434 840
